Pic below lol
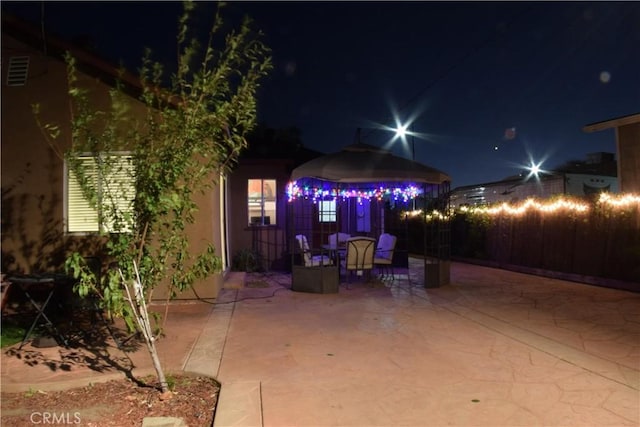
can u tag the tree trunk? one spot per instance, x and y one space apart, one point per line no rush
139 307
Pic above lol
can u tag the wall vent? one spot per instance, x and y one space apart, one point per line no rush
17 71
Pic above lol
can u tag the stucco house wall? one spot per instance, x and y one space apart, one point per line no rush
268 240
34 237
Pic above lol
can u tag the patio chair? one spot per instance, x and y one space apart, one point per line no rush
309 259
337 245
338 239
383 258
359 257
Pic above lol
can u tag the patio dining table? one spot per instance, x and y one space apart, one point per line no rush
50 284
336 252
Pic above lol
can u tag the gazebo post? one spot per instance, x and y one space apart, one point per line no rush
437 264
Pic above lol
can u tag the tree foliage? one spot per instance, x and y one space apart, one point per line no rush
192 130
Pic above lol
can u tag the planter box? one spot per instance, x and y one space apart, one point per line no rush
318 280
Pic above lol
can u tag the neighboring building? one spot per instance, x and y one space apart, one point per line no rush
38 207
585 178
627 130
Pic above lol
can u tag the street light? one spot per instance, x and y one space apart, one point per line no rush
535 169
401 132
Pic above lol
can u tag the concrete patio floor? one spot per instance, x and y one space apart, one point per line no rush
493 348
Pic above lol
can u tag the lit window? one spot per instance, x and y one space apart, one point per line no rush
262 201
327 211
115 192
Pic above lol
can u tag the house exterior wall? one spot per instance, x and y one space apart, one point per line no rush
628 144
268 240
33 175
33 236
206 230
627 131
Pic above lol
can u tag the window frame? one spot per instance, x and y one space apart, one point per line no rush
330 214
263 200
94 226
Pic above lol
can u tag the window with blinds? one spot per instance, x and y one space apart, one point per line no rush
115 191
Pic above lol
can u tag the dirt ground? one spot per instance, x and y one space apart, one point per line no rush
120 403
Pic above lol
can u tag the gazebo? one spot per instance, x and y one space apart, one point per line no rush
364 190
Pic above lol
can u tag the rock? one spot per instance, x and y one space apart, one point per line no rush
163 422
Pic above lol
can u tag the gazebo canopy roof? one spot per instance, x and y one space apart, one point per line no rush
364 163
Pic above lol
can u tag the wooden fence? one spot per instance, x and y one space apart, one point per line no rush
600 243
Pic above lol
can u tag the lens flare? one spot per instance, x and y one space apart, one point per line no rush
605 77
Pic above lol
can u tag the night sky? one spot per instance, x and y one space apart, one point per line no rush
489 86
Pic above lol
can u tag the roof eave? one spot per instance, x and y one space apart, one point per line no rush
612 123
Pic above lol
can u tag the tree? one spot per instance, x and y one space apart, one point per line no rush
192 131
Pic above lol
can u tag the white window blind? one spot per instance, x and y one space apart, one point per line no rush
115 191
81 217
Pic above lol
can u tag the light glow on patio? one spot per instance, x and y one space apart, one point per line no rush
295 191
